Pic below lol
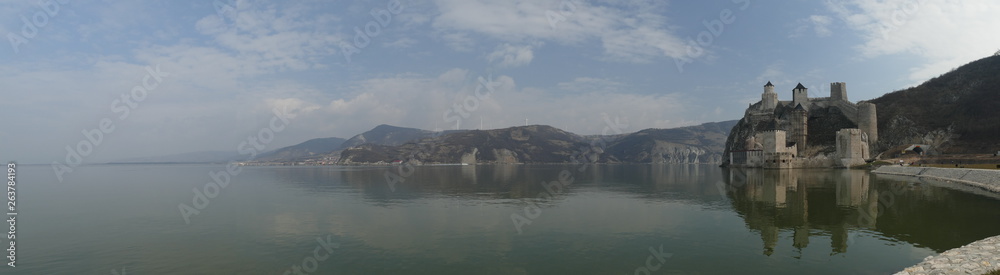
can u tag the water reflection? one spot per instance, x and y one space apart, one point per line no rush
841 203
833 205
799 200
457 220
508 181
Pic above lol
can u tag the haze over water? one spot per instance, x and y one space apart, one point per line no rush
457 220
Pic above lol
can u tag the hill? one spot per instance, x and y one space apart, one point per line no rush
307 149
546 144
694 144
387 135
953 113
319 148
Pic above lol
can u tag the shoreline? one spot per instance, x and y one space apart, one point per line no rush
979 257
985 179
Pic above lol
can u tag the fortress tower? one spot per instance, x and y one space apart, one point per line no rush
769 99
838 91
852 149
800 95
868 121
800 125
773 141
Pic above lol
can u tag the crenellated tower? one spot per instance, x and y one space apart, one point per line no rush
769 99
838 91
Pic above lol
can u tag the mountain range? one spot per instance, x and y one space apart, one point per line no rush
955 113
545 144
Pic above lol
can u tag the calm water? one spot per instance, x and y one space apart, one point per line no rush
458 220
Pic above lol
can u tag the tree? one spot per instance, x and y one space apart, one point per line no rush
997 54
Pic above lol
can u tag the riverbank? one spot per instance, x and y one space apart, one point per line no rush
988 180
979 257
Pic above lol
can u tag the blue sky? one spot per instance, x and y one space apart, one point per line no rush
226 65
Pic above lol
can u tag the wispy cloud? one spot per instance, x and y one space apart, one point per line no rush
946 34
818 24
401 43
507 55
627 33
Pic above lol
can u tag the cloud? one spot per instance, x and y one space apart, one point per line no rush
458 41
507 55
228 72
633 33
946 34
278 39
819 24
772 73
291 107
589 84
401 43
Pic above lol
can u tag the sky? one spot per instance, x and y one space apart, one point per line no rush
107 80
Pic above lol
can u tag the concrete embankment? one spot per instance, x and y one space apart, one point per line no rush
979 257
981 178
976 258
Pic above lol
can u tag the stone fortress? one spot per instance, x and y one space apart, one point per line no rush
804 132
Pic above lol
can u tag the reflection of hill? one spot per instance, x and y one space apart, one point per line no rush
472 182
656 182
813 203
808 205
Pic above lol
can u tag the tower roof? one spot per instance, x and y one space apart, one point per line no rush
798 107
769 84
800 87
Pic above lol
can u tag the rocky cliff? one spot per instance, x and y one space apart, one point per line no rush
822 126
695 144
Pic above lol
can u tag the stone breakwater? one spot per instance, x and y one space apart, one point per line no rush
978 257
981 178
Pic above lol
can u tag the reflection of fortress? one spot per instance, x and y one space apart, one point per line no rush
771 200
791 134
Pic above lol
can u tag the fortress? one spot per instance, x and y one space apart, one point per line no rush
804 132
